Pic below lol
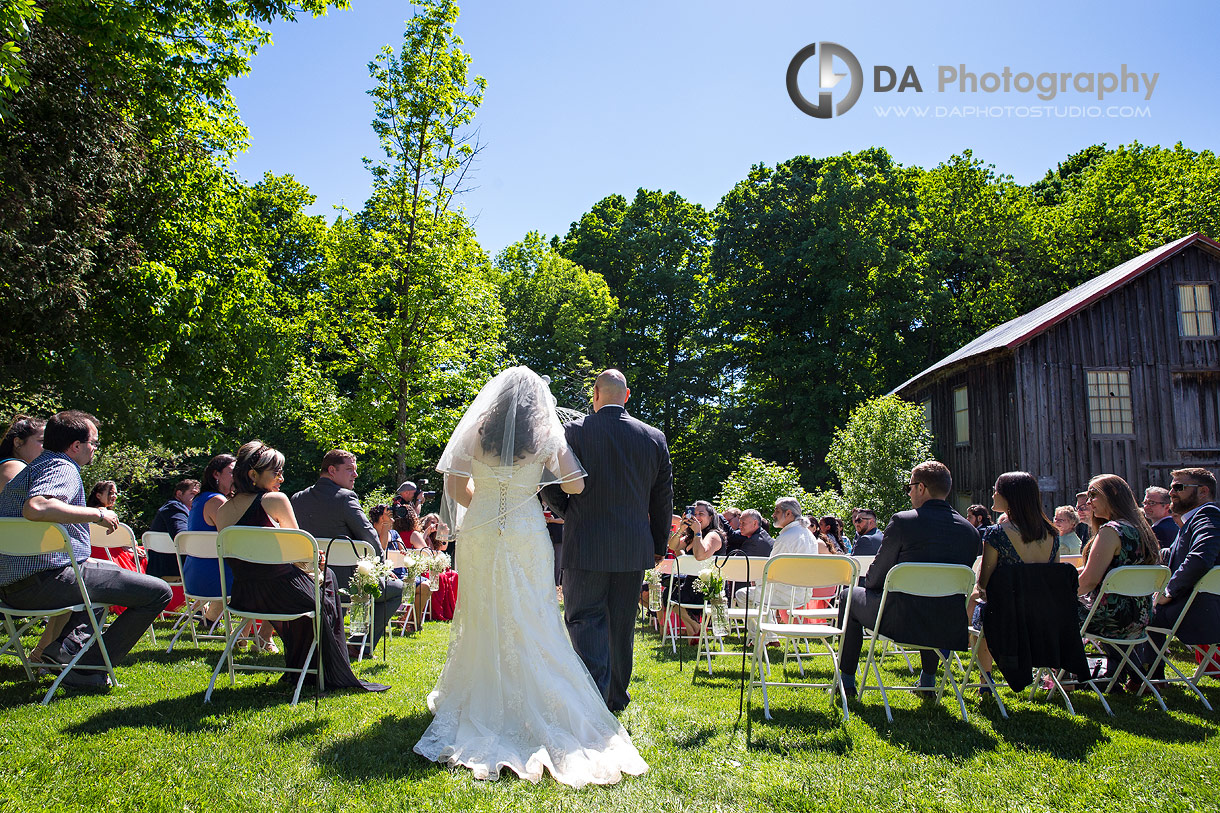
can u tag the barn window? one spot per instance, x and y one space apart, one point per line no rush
1195 311
961 416
927 416
1110 402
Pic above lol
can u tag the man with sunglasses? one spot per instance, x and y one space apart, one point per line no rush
1156 509
868 535
931 532
1192 494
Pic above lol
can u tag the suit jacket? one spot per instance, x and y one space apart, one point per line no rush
326 510
1030 619
170 518
867 544
934 532
1166 531
757 544
1193 554
620 522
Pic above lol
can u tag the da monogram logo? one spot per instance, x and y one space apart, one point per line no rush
827 79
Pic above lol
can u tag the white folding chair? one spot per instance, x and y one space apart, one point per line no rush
347 552
1131 580
269 546
1076 560
664 568
1210 583
121 537
397 560
925 580
21 537
161 542
200 545
687 566
807 571
737 570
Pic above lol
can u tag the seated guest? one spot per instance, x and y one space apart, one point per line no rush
330 509
978 516
830 529
1121 536
1084 528
868 537
201 577
50 490
1195 551
406 524
752 539
794 537
382 519
283 588
931 532
701 535
22 443
444 598
1159 515
1066 521
171 519
105 494
1028 537
731 518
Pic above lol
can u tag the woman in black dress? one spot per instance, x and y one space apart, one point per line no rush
283 588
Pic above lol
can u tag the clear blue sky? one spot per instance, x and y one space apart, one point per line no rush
588 99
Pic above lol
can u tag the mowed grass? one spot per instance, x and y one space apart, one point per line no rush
153 745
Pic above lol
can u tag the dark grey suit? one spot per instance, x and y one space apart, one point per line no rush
867 544
934 532
326 511
613 531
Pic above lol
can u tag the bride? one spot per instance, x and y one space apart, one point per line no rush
513 693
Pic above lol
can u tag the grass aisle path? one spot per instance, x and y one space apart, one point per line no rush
152 745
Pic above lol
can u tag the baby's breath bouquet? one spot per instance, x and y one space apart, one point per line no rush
438 563
417 564
710 583
653 579
364 588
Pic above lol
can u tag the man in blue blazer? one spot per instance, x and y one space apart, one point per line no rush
868 535
1194 552
613 531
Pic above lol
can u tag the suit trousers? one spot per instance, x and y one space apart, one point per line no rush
864 607
600 610
384 607
143 596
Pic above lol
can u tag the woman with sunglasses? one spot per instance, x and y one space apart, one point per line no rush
284 588
1121 537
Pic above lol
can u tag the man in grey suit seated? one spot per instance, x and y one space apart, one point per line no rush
931 532
329 508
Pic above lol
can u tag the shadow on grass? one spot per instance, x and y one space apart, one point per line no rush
362 756
188 713
1143 717
934 729
695 739
800 729
1055 733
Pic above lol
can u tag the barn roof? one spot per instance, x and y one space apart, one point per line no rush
1018 331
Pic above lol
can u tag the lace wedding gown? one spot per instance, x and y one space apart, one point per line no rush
513 693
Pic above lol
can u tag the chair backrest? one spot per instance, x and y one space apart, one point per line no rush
811 570
120 537
158 542
930 579
743 568
395 559
1073 559
266 546
1135 580
665 567
200 544
345 552
688 565
864 563
22 537
1210 583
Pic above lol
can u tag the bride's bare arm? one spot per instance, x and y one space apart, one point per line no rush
567 468
460 488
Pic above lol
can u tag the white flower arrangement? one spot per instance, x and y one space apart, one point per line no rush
365 587
710 583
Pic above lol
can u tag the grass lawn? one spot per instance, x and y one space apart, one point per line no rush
152 745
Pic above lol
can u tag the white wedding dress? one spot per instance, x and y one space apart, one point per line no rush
513 693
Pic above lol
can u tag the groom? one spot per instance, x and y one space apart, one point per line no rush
613 531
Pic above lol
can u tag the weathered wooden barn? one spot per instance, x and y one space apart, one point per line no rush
1120 375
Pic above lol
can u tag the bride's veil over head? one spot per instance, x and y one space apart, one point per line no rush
512 421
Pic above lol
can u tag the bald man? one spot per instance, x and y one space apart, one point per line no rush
613 531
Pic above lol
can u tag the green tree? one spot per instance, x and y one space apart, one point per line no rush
15 19
874 452
424 104
558 317
758 484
